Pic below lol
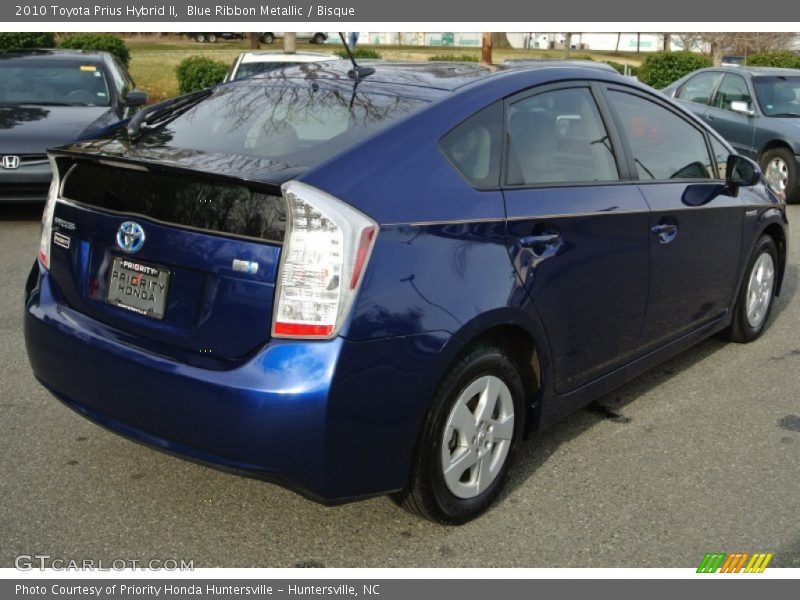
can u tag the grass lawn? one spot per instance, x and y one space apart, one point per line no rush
153 59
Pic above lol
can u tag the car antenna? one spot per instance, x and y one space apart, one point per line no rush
356 72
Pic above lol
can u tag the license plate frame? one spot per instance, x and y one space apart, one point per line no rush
138 287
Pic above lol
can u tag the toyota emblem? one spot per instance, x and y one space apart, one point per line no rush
130 236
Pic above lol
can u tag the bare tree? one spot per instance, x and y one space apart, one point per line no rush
486 48
619 38
290 42
718 43
567 44
254 41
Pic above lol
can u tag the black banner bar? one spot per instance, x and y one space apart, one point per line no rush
446 12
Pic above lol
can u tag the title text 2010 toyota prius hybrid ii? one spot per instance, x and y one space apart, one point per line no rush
359 284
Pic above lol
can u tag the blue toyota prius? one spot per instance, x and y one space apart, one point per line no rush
371 281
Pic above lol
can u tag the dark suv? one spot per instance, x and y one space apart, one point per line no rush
757 109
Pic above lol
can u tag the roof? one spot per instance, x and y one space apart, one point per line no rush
53 54
280 56
752 70
544 62
433 75
770 71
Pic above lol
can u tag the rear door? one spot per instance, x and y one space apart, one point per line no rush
695 226
577 232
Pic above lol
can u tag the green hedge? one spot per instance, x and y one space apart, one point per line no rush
359 53
786 60
198 72
662 68
620 68
10 40
453 58
104 42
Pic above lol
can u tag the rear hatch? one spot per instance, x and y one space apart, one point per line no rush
178 261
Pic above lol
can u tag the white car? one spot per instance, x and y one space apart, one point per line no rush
248 64
315 37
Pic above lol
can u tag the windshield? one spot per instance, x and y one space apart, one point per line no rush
53 83
254 68
294 125
779 95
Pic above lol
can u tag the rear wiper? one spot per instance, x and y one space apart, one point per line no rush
159 113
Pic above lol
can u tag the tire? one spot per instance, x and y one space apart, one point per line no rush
757 293
780 170
212 39
469 490
267 38
200 37
319 38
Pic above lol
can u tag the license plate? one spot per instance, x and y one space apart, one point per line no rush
138 287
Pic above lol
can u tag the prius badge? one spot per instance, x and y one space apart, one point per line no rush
130 236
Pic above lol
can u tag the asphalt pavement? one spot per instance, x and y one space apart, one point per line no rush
701 454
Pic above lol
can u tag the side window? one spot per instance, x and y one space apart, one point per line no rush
699 88
474 147
721 154
556 137
732 89
664 146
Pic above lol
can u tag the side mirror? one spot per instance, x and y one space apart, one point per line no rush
743 108
136 98
741 172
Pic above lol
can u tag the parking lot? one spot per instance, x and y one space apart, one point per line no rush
701 454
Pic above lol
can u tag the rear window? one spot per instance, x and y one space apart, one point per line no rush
300 126
179 199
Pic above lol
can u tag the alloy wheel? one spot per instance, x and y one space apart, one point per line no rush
477 436
759 290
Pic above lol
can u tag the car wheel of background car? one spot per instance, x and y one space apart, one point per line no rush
319 38
267 38
780 171
200 37
467 445
758 291
212 38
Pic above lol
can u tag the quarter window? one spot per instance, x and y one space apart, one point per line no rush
664 146
556 137
699 88
474 147
732 89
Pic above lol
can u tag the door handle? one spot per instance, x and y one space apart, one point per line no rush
710 117
547 239
664 228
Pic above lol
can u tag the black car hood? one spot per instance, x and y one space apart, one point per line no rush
32 129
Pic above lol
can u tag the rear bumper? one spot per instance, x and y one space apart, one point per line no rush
333 420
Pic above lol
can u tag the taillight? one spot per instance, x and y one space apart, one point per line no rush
325 253
47 219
